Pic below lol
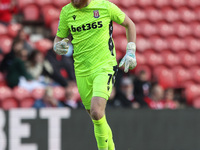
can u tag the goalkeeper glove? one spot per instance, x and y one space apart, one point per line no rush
61 47
129 60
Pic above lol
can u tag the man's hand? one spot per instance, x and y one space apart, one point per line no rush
61 47
129 60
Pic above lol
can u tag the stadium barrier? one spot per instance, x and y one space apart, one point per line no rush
63 129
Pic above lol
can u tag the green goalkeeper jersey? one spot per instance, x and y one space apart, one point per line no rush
91 28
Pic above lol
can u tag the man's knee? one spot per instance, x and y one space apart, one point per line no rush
98 106
96 114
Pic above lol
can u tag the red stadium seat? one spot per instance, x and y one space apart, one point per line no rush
43 45
9 103
13 29
182 29
26 103
54 27
197 57
165 77
38 93
115 2
43 2
143 44
50 14
158 43
59 92
127 3
187 15
196 103
197 12
137 14
60 3
5 92
118 30
145 3
161 3
3 30
153 59
193 3
170 59
153 15
170 14
187 59
195 73
121 43
157 70
195 27
176 44
148 29
192 92
6 43
188 83
23 3
165 29
182 75
21 93
178 3
125 10
31 13
145 68
141 60
193 44
119 55
138 29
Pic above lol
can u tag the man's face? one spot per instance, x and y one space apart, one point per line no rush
79 3
158 93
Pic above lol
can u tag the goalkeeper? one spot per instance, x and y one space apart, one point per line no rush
90 23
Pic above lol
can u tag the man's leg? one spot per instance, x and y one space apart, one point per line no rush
111 145
103 133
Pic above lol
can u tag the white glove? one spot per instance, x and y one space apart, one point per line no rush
61 47
129 60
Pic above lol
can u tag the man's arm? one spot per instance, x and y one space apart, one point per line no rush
129 60
116 15
60 41
130 29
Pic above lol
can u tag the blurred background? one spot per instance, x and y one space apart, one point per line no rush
168 54
168 50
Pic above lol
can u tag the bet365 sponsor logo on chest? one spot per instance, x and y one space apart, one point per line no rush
88 26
